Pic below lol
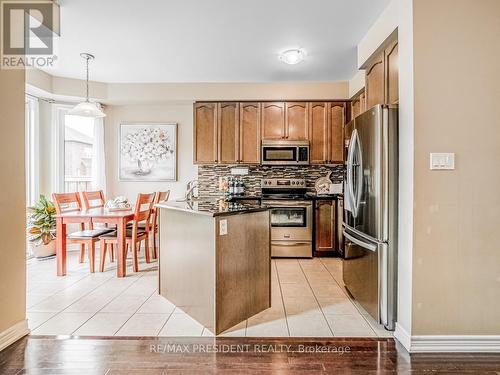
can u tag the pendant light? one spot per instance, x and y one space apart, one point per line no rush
86 108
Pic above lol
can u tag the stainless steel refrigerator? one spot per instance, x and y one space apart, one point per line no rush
370 212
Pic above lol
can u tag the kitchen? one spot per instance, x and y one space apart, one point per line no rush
296 159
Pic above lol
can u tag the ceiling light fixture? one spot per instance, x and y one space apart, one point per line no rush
86 108
293 56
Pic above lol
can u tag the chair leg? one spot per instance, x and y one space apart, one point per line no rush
112 253
135 264
82 253
155 245
102 258
92 256
146 249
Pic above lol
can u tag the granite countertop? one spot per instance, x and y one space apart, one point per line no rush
212 207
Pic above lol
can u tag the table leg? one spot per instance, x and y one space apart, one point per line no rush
121 257
61 247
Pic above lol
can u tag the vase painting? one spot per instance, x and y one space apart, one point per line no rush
148 152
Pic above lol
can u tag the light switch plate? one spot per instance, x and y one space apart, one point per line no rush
223 227
442 160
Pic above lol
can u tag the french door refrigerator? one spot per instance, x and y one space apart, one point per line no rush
370 212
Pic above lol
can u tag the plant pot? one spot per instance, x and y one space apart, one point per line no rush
43 251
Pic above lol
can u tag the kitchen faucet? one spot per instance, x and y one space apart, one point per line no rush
191 185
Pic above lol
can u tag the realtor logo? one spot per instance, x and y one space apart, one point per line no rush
27 38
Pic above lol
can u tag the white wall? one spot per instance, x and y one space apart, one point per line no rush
182 114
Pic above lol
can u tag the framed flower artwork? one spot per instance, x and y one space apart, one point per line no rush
148 152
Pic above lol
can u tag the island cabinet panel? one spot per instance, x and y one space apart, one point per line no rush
392 73
336 119
375 82
273 120
228 132
205 133
325 241
318 132
249 133
296 121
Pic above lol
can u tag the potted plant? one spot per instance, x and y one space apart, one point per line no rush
41 228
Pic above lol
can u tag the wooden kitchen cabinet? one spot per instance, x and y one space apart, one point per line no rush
375 82
228 132
358 105
336 121
325 228
391 54
273 120
318 132
205 133
296 121
249 138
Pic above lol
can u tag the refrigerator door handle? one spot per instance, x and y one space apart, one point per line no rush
358 242
359 181
350 189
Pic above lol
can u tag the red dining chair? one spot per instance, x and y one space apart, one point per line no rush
70 202
134 235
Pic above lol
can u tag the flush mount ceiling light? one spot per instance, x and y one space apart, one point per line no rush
86 108
293 56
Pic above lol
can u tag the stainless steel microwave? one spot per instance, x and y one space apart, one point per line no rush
285 153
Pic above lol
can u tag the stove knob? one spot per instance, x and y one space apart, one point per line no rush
302 182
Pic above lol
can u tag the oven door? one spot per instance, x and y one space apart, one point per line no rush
290 220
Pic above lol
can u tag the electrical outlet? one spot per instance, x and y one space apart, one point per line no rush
223 227
442 161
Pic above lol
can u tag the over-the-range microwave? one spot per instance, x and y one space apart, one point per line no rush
285 153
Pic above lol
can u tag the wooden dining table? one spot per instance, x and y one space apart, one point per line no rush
95 216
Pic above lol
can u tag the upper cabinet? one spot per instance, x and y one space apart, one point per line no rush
228 132
375 92
250 133
392 73
337 119
273 120
296 121
318 132
231 132
382 77
358 104
205 133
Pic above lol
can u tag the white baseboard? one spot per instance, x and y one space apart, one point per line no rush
14 333
402 336
455 344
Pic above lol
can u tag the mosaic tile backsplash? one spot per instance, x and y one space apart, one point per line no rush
208 176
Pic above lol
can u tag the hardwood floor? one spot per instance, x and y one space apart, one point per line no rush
50 355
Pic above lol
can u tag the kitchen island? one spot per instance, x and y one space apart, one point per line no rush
215 260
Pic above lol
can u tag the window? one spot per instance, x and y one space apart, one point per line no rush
78 153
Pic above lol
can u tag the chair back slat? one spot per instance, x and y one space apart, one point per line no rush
161 196
93 199
67 202
143 206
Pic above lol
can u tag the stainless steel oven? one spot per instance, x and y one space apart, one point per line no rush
285 153
291 217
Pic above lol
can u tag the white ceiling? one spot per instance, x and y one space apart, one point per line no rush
212 40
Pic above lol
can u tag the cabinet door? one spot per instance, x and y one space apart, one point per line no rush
336 117
228 132
318 132
375 93
250 133
325 227
205 133
296 121
392 73
356 107
273 120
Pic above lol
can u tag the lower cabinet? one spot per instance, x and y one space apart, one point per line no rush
325 228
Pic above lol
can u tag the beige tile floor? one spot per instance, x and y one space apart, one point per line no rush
308 299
